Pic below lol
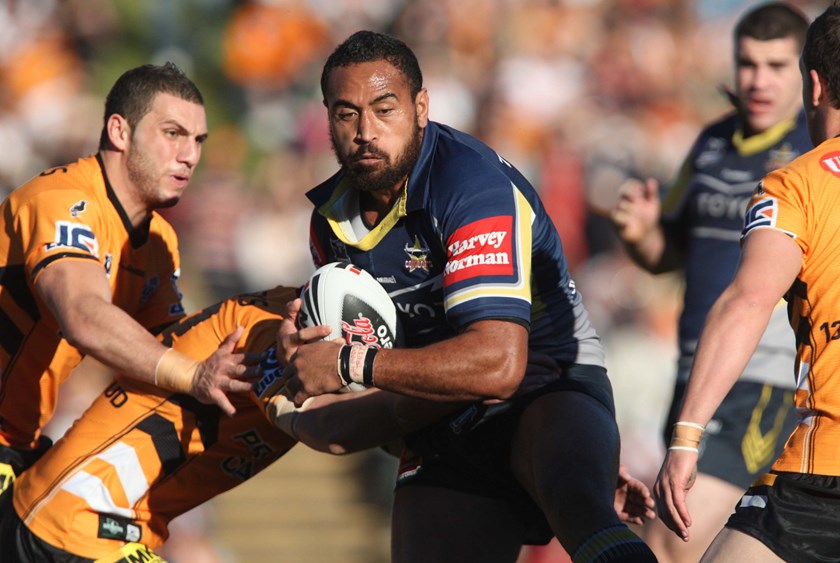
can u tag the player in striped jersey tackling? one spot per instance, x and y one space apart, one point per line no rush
140 455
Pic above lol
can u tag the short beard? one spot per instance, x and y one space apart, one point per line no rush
364 180
138 165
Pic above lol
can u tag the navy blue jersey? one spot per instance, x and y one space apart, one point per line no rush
704 213
468 240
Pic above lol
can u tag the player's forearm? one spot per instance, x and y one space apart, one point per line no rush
79 297
653 252
342 423
354 421
733 328
487 361
110 335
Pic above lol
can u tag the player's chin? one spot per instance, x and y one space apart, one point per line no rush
760 120
170 201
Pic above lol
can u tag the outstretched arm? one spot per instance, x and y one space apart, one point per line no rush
770 262
341 423
78 295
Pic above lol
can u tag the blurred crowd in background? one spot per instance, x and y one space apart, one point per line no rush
578 94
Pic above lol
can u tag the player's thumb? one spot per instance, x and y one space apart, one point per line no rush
229 343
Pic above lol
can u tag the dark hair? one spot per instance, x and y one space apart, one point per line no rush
822 44
369 46
133 93
776 20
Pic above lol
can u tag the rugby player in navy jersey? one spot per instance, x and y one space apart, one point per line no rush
490 315
697 227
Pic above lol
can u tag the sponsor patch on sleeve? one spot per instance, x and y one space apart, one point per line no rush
763 213
831 162
74 235
481 248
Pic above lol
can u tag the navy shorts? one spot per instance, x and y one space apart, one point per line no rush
470 451
746 434
796 515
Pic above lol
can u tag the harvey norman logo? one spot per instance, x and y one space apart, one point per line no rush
481 248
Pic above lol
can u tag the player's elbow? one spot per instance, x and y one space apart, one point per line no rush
505 378
506 386
76 334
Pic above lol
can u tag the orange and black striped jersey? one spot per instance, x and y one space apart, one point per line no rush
70 213
140 456
802 200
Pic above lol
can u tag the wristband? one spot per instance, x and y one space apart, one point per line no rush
175 372
684 448
686 436
355 364
367 370
343 365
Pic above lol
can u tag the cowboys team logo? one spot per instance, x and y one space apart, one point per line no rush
712 153
780 157
418 256
78 208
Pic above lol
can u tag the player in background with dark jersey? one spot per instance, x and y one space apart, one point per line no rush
88 267
696 227
462 243
790 248
141 456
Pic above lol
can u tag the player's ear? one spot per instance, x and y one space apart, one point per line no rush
421 107
817 88
119 131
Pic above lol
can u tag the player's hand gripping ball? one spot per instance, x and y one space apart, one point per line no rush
353 303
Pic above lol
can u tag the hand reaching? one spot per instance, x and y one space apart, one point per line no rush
633 501
225 371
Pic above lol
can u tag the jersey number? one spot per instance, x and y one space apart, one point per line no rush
828 334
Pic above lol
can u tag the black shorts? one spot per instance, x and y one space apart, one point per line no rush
796 515
746 434
470 451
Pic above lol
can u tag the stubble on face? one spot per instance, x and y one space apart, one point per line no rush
367 179
141 173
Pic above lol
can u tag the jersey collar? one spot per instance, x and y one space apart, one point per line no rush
766 139
138 236
330 198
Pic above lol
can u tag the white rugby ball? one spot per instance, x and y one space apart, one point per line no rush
352 303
